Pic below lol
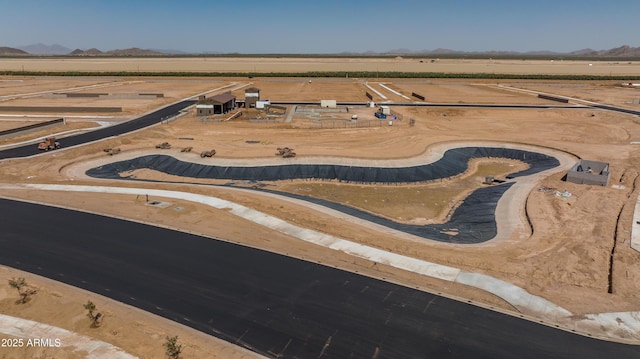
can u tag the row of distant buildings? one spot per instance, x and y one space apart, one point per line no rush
225 102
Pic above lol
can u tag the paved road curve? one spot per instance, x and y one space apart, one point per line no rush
272 304
119 129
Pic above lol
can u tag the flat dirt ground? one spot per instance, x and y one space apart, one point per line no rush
566 260
300 64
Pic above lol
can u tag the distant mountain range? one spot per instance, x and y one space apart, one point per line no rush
42 49
59 50
624 51
134 51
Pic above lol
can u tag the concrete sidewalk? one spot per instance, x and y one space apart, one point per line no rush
635 228
35 334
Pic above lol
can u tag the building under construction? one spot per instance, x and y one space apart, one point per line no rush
215 105
589 172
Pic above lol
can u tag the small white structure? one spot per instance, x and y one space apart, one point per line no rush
328 103
385 110
262 103
252 94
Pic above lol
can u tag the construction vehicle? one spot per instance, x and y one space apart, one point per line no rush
49 143
204 154
383 112
112 151
164 146
285 152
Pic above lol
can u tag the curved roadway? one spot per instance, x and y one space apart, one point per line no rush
272 304
115 130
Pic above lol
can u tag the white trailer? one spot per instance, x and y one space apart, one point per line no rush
262 103
385 110
328 103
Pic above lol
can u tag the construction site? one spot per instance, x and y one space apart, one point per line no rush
517 196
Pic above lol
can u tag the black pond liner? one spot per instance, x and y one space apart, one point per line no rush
473 221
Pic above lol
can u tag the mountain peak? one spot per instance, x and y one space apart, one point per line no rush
42 49
10 51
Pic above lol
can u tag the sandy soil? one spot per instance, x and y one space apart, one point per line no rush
9 124
287 64
122 92
565 260
71 127
608 92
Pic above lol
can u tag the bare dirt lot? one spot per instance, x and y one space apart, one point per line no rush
134 97
299 64
566 260
12 123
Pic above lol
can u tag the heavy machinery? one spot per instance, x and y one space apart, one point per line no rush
112 151
383 112
285 152
49 143
164 146
204 154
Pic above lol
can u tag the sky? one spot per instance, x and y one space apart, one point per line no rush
327 26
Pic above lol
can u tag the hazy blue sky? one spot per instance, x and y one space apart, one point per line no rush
326 26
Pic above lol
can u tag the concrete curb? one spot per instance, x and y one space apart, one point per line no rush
635 227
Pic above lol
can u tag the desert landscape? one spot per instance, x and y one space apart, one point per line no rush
571 250
296 64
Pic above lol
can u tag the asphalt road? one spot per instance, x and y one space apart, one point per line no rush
115 130
275 305
618 109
